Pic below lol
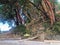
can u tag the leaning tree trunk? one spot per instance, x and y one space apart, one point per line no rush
50 11
18 16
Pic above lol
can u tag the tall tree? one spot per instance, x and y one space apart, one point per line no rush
37 12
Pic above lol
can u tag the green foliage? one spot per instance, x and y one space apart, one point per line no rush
8 12
0 9
46 25
22 2
21 29
56 28
37 1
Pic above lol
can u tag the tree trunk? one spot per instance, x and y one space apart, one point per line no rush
18 16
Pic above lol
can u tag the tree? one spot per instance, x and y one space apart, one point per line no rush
19 3
37 12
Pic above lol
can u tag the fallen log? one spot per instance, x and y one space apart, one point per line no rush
31 38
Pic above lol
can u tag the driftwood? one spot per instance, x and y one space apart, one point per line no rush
39 37
31 38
